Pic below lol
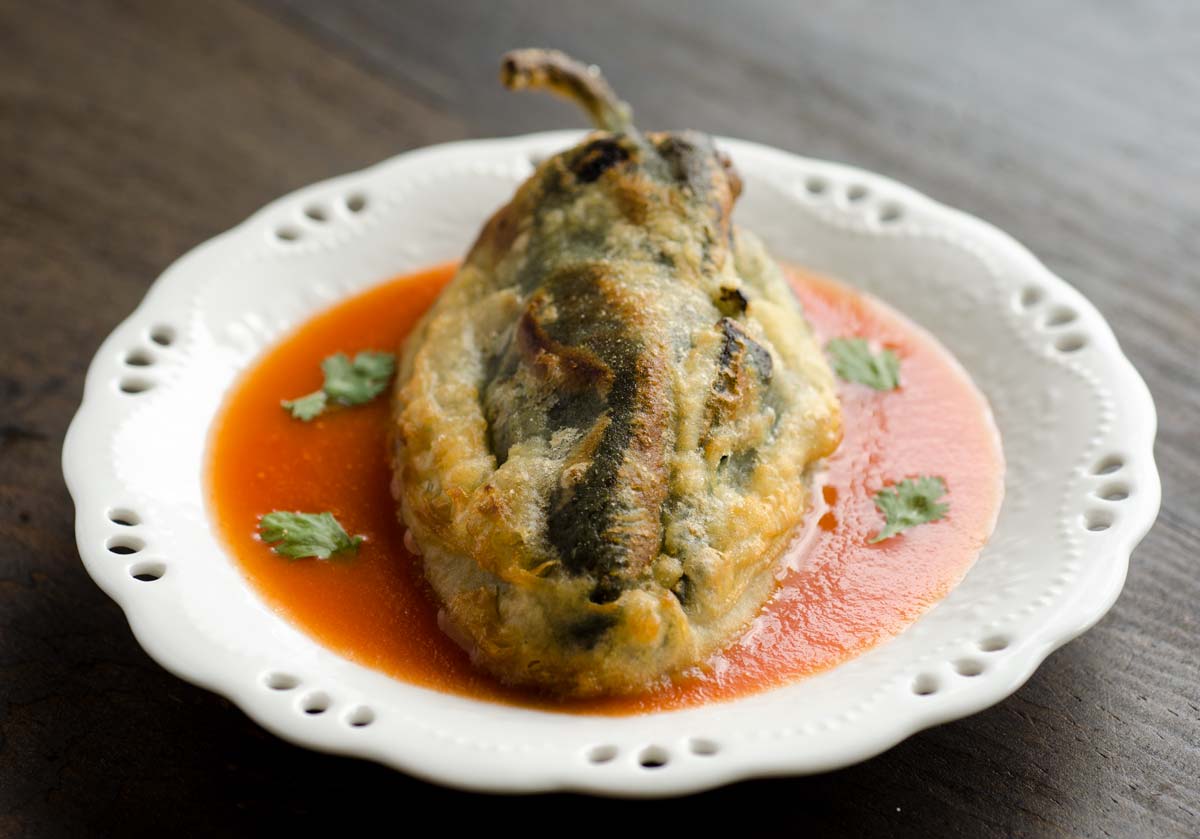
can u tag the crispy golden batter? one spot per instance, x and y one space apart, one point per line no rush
604 427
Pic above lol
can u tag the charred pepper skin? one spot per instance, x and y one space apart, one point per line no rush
619 364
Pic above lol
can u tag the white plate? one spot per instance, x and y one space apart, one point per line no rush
1076 420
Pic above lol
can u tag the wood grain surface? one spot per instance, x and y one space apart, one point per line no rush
132 131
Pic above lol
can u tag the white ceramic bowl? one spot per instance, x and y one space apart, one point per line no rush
1076 421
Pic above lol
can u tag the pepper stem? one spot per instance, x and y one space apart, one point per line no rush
557 72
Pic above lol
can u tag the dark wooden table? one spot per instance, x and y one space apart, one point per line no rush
131 131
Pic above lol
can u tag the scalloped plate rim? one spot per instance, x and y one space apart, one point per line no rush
246 696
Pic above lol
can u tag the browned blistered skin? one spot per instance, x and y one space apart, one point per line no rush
604 428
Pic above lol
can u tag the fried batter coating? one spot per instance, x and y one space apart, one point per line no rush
604 428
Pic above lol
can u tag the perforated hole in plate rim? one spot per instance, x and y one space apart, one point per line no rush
994 643
316 703
856 193
149 571
1097 521
125 544
602 754
654 757
816 185
1070 343
139 358
925 685
281 681
133 385
1114 492
1060 316
890 213
355 202
163 334
1030 296
360 717
968 667
124 517
703 746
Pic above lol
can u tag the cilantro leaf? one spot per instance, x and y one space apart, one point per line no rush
306 407
355 382
297 535
346 383
909 503
852 360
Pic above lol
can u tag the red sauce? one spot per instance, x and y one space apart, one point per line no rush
838 595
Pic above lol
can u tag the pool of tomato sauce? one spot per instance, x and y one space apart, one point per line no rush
838 595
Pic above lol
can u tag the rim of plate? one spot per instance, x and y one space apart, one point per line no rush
1076 419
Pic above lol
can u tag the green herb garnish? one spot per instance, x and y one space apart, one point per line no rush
346 383
306 407
356 382
909 503
852 360
297 535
